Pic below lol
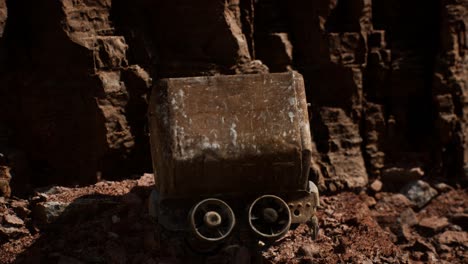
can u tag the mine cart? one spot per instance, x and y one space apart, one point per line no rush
231 156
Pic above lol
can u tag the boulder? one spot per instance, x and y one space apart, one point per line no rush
48 212
419 192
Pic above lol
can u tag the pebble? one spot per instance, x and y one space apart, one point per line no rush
443 187
309 250
376 186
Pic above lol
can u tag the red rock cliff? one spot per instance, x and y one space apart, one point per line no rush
387 80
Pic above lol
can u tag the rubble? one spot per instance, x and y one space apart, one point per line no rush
109 222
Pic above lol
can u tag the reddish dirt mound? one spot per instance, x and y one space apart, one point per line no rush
108 223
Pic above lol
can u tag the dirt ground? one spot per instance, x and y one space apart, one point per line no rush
109 223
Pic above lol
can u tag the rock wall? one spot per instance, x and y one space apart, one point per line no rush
74 103
450 90
387 80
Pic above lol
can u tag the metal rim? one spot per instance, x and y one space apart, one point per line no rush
265 224
212 220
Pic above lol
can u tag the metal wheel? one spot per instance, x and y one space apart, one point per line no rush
211 220
269 217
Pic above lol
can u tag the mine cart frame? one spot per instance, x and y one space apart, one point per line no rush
232 156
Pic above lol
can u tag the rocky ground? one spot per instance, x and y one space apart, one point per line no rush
108 223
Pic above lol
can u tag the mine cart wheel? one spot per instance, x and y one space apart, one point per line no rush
211 220
269 217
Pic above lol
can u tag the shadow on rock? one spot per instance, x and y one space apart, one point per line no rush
93 228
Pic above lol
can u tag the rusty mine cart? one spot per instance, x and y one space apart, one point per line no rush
231 156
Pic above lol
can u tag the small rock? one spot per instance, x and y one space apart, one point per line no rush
22 212
115 219
329 211
398 200
442 187
460 219
419 192
430 257
455 228
408 217
38 198
102 184
422 246
443 248
50 190
453 237
417 255
13 220
402 175
308 250
405 233
370 201
13 232
376 186
434 223
43 196
146 180
21 208
19 203
48 212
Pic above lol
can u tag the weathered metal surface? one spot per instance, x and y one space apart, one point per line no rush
230 134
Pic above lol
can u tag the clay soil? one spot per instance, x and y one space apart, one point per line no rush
109 223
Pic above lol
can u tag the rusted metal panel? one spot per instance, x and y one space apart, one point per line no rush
230 134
